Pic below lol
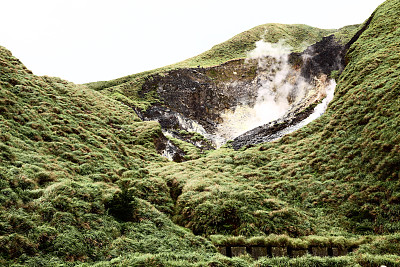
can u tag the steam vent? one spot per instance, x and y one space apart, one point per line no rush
247 101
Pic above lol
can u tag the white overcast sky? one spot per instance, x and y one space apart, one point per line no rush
91 40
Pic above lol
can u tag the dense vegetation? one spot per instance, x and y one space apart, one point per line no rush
337 175
82 184
74 184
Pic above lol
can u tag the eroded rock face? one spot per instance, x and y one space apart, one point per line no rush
201 94
167 149
310 108
198 99
271 131
316 64
320 58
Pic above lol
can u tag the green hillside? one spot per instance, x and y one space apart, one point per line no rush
297 36
82 184
73 178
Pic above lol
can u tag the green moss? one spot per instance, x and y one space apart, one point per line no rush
73 175
345 34
336 175
75 161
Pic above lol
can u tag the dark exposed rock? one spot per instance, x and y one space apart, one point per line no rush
166 148
202 94
270 131
171 122
167 118
195 98
325 57
320 58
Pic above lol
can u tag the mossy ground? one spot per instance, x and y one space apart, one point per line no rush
71 161
73 158
338 174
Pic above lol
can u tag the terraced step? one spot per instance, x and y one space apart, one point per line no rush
284 246
282 251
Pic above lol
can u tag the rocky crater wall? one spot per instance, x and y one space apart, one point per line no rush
201 94
198 99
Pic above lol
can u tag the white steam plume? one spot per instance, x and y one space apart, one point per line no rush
279 87
274 50
329 92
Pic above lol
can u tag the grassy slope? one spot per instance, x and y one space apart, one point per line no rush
338 175
81 181
73 183
345 164
297 36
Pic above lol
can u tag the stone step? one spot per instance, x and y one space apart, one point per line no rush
274 251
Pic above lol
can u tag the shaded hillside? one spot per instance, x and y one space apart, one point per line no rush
73 179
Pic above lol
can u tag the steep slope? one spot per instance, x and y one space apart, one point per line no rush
297 36
196 99
73 178
339 174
